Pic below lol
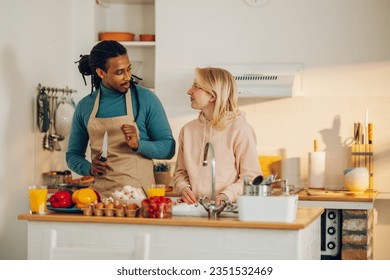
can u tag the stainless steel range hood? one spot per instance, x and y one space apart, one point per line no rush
266 80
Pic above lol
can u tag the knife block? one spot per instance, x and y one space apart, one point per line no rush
362 155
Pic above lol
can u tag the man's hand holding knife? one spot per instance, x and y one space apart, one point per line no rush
99 161
98 166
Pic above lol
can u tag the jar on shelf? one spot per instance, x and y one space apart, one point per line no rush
67 177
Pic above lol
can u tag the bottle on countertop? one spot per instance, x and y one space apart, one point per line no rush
67 177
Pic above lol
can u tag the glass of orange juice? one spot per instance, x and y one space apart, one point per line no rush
156 190
38 197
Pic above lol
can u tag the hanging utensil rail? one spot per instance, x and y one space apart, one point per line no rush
56 90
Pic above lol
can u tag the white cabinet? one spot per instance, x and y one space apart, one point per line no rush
134 239
134 16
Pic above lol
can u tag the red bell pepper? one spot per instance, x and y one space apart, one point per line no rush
61 199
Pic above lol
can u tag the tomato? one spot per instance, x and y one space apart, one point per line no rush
157 207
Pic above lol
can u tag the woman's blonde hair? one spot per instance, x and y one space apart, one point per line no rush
219 83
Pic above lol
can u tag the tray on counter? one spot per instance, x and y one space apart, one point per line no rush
64 210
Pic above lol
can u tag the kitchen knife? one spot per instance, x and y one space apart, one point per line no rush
103 157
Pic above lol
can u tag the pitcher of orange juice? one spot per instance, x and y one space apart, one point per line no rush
156 190
38 197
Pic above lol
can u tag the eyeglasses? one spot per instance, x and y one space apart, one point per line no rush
195 86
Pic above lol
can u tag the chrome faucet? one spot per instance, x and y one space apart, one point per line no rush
211 207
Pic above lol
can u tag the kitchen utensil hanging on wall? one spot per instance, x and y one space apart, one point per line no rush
64 115
47 103
54 137
43 111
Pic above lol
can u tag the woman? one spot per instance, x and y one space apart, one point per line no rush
135 121
214 93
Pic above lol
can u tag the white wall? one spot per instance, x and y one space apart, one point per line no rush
38 45
345 48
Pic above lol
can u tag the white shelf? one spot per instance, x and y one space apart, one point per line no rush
137 17
138 43
130 2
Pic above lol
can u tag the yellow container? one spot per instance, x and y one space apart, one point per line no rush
270 165
38 197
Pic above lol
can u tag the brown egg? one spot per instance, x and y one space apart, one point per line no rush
99 205
110 205
88 206
132 206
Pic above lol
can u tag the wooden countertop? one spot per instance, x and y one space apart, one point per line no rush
328 195
305 216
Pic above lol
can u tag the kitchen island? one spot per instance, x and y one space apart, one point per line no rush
75 236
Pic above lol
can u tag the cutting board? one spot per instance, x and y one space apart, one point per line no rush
313 192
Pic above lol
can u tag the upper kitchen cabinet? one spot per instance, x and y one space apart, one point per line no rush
133 16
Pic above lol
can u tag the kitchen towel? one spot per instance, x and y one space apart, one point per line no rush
317 170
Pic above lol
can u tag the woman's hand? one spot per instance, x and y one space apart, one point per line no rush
98 167
221 197
131 136
188 196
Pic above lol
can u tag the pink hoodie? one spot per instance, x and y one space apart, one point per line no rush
235 156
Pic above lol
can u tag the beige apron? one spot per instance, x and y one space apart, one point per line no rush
124 166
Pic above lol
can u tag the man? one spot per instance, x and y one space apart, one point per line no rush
137 126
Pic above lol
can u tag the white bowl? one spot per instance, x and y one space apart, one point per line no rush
356 179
